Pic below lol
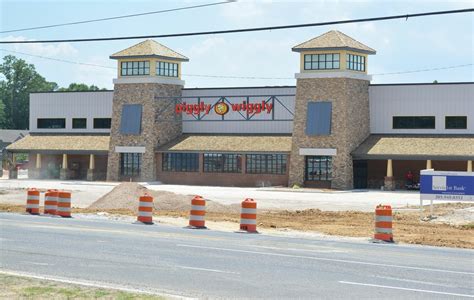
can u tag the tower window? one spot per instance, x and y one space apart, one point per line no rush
135 68
355 62
166 69
328 61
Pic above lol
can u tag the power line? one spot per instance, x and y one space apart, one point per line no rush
424 70
58 59
235 77
119 17
444 12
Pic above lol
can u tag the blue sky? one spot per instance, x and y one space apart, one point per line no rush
421 43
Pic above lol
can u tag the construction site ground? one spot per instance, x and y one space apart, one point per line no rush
451 226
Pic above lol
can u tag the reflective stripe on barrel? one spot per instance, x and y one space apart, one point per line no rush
197 213
64 204
145 209
248 215
32 201
51 202
383 223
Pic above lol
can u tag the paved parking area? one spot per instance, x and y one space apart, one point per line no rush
85 193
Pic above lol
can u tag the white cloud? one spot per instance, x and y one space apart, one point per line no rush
52 50
244 11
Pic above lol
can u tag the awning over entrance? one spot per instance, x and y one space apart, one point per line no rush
71 144
229 143
416 147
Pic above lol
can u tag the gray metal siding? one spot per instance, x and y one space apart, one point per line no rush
131 119
71 105
438 100
318 118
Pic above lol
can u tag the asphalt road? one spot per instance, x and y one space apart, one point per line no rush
211 264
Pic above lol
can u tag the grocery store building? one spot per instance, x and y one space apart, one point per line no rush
334 129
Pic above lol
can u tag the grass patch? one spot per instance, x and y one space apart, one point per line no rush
18 287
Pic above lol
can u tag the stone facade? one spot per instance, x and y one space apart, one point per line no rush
160 124
349 125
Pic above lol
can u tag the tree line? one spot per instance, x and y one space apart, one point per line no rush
17 80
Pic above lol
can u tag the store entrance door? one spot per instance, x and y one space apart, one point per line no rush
360 174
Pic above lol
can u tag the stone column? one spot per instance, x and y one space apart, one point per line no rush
38 160
159 124
389 180
13 171
36 171
349 125
91 170
428 164
64 172
469 165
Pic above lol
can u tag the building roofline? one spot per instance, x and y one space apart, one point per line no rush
150 56
421 83
301 50
243 87
44 92
270 87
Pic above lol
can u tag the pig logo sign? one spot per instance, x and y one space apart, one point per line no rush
221 108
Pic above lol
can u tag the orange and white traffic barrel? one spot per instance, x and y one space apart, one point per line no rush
383 223
197 213
64 204
248 216
32 201
145 209
51 202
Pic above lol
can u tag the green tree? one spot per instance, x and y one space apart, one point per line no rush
2 114
79 87
20 80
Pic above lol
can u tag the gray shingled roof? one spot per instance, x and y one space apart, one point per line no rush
333 40
96 143
228 143
11 135
446 147
149 48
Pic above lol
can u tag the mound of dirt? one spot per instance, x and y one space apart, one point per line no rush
125 196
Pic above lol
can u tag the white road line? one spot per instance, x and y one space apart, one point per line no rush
36 263
328 259
305 250
406 289
416 281
92 284
207 270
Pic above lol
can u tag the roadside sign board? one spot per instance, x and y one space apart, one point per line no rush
446 185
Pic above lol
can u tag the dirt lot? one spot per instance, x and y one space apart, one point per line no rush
16 287
452 228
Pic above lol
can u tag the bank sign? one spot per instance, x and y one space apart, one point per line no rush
448 186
